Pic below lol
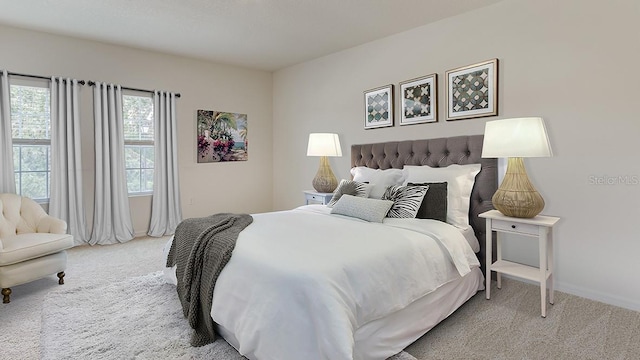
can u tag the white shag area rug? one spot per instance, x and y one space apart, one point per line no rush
137 318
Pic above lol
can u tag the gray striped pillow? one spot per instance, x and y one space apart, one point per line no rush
406 200
372 210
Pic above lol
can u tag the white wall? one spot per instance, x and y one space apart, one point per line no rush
572 62
205 188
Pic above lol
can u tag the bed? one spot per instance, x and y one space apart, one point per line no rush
316 283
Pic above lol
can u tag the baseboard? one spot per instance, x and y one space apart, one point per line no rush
589 294
598 296
140 234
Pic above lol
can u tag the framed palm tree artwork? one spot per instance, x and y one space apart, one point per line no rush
222 136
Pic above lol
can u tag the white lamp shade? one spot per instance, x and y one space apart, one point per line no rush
518 137
324 144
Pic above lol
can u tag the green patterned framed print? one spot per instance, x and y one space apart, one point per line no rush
378 107
419 100
472 91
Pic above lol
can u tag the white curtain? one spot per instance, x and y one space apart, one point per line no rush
7 176
166 212
111 216
66 201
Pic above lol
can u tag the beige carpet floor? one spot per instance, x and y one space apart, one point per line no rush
508 326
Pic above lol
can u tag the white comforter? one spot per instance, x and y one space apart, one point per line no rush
301 282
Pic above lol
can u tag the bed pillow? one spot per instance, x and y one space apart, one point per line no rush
379 179
349 187
434 204
372 210
459 179
406 200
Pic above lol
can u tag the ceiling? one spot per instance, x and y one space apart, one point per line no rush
261 34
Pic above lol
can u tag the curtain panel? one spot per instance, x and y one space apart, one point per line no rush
7 175
166 212
66 200
111 217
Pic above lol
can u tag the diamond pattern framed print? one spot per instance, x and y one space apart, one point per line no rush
472 91
419 100
378 107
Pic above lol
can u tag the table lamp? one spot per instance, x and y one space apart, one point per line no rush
324 145
516 139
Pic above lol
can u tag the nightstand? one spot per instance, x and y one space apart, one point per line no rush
314 197
540 227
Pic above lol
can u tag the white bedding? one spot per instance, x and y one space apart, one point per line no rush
300 283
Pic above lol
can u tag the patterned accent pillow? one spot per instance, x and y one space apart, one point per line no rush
434 204
372 210
460 180
349 187
406 200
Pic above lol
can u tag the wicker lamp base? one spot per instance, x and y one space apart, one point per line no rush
516 196
325 181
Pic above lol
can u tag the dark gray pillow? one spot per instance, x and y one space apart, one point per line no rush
434 204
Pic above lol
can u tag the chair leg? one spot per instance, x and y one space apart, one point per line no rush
61 277
5 295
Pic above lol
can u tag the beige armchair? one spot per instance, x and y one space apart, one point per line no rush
32 243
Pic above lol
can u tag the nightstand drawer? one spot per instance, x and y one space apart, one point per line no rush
316 197
514 227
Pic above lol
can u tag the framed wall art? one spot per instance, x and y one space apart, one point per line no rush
378 107
419 100
472 91
222 136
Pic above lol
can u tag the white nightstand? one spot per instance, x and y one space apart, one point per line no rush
314 197
540 227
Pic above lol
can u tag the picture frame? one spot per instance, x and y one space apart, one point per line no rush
472 91
419 100
378 107
221 136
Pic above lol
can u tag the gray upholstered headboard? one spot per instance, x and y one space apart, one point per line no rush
439 153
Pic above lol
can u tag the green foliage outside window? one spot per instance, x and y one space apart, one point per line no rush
31 132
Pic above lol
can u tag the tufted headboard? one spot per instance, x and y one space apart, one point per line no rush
439 153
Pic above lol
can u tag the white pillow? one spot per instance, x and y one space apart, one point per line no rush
460 180
380 179
371 210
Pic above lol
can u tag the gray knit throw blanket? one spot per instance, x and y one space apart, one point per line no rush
201 248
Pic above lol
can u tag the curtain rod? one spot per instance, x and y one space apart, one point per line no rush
91 83
81 82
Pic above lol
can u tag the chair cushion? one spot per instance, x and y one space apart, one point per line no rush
23 247
34 269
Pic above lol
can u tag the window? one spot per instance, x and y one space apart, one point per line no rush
138 143
31 132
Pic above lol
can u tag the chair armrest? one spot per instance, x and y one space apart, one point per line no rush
52 225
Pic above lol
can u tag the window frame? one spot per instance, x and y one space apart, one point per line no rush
25 142
138 143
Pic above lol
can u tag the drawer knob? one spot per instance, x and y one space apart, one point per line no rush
513 226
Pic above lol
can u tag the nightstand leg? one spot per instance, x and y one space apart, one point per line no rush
542 240
550 260
488 258
499 257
